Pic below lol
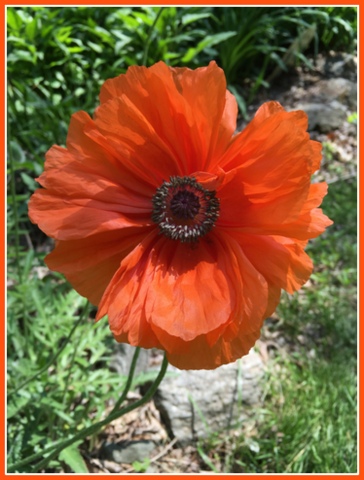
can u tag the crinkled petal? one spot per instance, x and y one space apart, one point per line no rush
272 131
310 223
90 263
298 118
240 208
194 290
123 299
268 171
276 166
142 149
194 115
205 288
78 202
200 355
233 344
68 177
184 291
293 216
282 261
213 107
96 151
64 219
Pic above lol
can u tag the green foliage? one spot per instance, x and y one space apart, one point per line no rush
339 30
314 420
59 376
72 457
264 35
141 467
50 400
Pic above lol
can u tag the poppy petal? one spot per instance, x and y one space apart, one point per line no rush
234 286
269 123
214 108
281 200
310 222
123 299
198 354
90 147
203 112
280 260
132 134
235 289
79 219
234 343
82 202
65 175
89 263
255 204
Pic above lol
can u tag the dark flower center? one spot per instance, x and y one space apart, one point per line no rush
185 204
184 210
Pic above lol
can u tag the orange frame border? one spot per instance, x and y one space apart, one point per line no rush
4 5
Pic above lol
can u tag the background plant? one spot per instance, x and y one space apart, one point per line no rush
59 383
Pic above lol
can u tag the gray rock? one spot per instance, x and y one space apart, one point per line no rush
341 65
342 90
334 89
194 404
324 117
128 452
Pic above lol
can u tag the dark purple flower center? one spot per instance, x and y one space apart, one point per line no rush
184 210
185 204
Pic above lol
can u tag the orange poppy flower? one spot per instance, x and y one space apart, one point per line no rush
180 230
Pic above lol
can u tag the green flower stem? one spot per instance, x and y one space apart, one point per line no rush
93 428
129 381
57 354
149 39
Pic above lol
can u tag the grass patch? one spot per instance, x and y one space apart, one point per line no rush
313 420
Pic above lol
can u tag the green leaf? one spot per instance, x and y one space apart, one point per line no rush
15 405
60 76
141 467
193 17
79 91
13 19
62 34
21 55
72 457
95 47
209 41
28 181
16 151
240 101
31 29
